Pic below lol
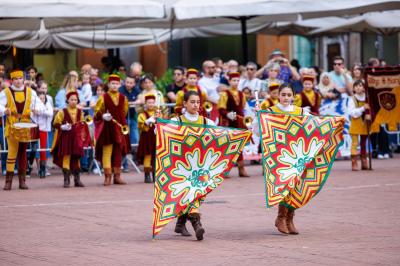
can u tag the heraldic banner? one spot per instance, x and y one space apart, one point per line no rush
191 161
298 153
383 85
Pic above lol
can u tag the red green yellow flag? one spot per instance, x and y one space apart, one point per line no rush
298 153
191 161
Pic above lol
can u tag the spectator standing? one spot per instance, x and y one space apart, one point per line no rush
342 80
177 85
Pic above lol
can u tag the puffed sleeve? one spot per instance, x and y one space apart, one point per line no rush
58 119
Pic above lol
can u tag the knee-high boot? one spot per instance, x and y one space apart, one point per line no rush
9 178
280 221
194 218
22 179
180 227
67 174
290 225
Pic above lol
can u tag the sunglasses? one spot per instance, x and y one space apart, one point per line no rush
337 64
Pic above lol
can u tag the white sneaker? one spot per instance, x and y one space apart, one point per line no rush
386 156
380 156
96 171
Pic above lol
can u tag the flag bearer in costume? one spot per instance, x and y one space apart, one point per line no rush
17 103
231 105
308 98
112 142
284 221
359 112
274 96
68 145
147 140
191 85
192 104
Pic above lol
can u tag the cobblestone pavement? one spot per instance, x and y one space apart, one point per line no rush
354 220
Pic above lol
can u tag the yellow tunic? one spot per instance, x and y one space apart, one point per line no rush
357 125
141 120
266 103
19 98
59 119
101 107
296 110
181 94
223 100
311 95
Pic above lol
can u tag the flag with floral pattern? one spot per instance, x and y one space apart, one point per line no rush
191 161
298 153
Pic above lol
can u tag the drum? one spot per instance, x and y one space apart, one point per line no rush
24 132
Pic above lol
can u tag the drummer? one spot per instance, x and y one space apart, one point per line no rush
17 103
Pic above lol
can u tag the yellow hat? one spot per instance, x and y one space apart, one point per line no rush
16 74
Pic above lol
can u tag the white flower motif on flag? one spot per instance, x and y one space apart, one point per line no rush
196 176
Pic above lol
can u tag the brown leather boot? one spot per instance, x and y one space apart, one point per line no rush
117 176
77 179
147 171
194 218
242 171
364 162
180 226
289 221
22 177
354 165
280 221
107 176
9 178
67 174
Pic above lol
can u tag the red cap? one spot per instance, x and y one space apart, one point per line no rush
233 75
114 77
149 96
72 92
192 71
310 78
273 86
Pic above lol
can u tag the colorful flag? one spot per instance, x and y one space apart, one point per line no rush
383 85
191 161
298 153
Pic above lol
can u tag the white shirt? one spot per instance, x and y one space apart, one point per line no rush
253 84
356 112
44 120
210 85
193 118
86 93
36 103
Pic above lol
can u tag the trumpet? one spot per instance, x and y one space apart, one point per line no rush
124 128
247 120
208 106
88 120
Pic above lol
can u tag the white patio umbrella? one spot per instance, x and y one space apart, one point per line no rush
385 23
27 14
278 10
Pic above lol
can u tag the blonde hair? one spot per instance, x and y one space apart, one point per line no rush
70 81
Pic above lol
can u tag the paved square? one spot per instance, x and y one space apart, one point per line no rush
354 220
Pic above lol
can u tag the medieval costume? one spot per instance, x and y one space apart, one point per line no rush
231 107
309 98
181 93
17 102
112 140
71 136
147 140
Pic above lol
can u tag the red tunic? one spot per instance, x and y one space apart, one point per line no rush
147 143
231 106
314 109
108 131
71 142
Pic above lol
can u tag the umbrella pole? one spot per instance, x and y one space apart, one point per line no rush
243 22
